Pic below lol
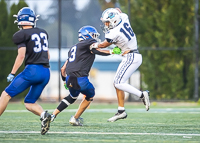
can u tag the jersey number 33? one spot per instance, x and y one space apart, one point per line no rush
38 45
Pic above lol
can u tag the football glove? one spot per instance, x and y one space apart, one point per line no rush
10 77
94 45
65 85
116 50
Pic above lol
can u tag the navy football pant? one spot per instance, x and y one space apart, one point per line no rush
86 87
34 76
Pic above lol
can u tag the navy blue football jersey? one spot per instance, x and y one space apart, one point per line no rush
80 59
36 42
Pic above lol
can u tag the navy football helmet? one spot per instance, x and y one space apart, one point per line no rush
26 16
87 32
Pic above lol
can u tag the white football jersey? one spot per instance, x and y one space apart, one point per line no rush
122 35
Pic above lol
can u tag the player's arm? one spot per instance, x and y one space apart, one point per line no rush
63 74
63 69
103 44
19 59
101 52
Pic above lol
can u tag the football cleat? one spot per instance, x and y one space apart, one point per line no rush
45 123
76 122
118 116
52 117
145 99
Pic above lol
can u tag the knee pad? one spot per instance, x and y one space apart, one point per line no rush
66 102
69 100
89 98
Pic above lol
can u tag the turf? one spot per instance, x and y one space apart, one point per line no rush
163 123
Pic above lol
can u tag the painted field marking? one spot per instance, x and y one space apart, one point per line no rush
100 133
136 110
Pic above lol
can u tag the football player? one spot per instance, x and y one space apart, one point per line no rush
118 31
32 43
75 72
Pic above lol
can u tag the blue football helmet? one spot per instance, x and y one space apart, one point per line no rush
87 32
26 16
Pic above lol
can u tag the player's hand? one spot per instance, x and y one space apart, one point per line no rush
116 50
65 85
94 45
10 77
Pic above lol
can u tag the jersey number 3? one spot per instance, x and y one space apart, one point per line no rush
73 54
38 45
128 32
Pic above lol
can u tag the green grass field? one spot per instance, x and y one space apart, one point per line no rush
162 123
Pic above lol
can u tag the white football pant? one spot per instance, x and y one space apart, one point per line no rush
127 67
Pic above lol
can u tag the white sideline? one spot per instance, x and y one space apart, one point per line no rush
102 133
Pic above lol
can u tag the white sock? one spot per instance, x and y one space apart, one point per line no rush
42 114
121 108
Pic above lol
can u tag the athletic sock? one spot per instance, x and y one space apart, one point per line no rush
121 108
142 95
121 111
42 115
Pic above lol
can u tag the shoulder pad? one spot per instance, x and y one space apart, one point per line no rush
92 41
44 32
89 42
18 37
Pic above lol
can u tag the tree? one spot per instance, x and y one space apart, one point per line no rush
3 19
7 29
71 21
165 24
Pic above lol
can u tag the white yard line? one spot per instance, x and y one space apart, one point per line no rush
101 133
137 110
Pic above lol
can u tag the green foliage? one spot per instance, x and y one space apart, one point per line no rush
168 74
7 29
3 19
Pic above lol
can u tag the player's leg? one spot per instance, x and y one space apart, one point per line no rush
121 114
120 97
31 105
70 99
38 76
76 120
88 90
128 68
4 99
17 86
